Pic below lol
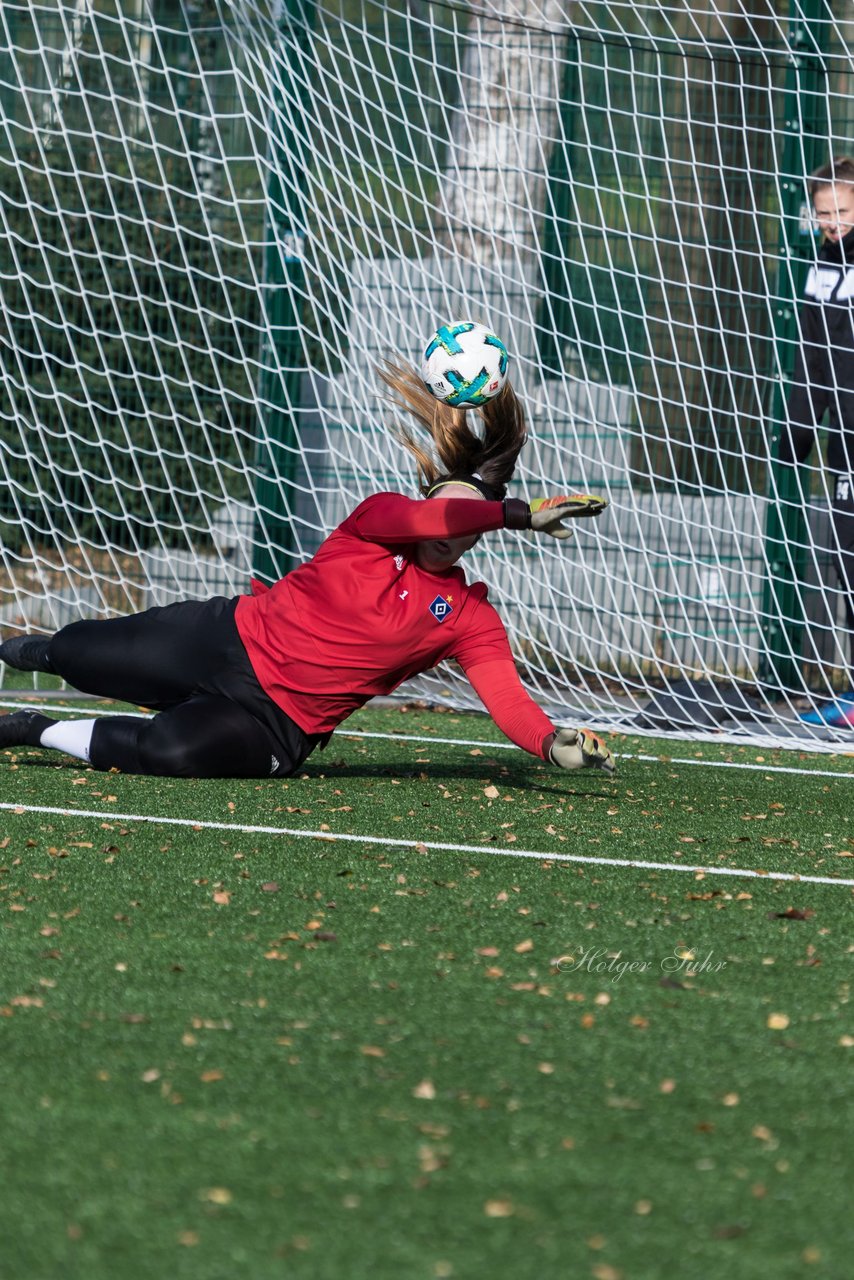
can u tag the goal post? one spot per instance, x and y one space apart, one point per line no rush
804 149
216 216
282 358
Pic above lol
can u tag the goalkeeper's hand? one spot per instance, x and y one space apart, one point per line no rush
580 749
548 514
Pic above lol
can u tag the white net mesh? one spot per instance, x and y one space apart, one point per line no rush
215 216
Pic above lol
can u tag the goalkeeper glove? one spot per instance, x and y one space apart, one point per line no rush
580 749
546 515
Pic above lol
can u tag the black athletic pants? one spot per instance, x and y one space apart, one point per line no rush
186 661
843 525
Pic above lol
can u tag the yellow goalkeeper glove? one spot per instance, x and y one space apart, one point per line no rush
548 514
580 749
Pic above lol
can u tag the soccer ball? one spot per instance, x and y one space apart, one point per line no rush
465 364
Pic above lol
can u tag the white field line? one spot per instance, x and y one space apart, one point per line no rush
340 837
508 746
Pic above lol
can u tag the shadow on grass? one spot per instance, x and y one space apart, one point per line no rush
517 778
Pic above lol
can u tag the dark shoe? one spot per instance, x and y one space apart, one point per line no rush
27 653
23 729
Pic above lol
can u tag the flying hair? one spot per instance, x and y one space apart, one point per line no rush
457 450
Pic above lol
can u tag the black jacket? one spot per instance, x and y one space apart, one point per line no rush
823 379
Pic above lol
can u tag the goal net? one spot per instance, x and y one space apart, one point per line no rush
216 215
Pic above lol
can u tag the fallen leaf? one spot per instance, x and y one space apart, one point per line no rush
216 1195
777 1021
429 1161
498 1208
425 1089
729 1231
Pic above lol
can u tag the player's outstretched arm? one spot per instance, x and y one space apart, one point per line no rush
579 749
547 515
392 518
499 688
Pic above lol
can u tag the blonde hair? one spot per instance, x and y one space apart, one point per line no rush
457 450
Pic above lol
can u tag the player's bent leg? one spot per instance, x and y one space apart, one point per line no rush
153 659
205 737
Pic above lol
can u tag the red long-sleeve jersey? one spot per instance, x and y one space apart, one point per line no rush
361 617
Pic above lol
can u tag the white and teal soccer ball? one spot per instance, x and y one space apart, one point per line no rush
465 364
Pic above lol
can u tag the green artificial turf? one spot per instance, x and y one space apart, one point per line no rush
226 1053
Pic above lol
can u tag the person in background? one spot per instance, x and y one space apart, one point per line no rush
823 385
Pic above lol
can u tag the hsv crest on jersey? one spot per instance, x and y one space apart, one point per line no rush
440 609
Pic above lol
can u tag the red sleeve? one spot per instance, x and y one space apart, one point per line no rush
499 688
484 655
392 518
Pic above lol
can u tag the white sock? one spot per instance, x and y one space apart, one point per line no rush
71 736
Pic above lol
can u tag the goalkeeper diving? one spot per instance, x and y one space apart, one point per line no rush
249 686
